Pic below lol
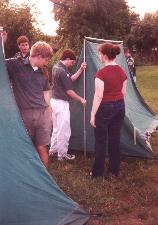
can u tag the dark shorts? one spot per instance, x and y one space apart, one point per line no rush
38 123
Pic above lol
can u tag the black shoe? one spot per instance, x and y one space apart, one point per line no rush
92 175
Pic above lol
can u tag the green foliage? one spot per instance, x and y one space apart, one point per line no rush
18 20
144 39
107 19
147 31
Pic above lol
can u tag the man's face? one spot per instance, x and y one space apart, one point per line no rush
24 47
41 62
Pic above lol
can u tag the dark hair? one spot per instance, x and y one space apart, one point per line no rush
110 50
22 39
68 54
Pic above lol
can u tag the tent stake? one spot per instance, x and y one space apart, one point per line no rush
135 136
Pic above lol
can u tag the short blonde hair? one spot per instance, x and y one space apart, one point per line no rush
41 48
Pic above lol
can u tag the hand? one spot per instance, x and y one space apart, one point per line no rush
83 66
83 101
92 121
3 35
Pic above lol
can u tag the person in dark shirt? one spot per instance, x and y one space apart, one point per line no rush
24 47
62 91
131 64
31 90
108 111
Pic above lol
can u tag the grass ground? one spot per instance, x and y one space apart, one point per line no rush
147 83
130 200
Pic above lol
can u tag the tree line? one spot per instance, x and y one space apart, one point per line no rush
18 20
106 19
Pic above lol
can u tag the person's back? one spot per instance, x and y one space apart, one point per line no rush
113 77
108 111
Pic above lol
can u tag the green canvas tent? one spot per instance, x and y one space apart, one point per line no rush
28 194
139 122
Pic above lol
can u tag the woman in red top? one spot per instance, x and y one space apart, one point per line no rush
108 110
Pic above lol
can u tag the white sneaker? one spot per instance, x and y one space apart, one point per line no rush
66 156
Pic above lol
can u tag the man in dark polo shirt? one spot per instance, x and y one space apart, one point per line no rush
31 89
62 91
24 47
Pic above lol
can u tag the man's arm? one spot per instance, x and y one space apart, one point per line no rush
76 75
76 97
47 96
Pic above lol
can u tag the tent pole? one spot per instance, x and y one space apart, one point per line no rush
1 32
84 95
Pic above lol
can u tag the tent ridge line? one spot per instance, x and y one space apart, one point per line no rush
90 38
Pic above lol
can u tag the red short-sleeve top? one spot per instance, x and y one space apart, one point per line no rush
113 77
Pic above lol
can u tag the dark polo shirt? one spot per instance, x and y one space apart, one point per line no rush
61 82
28 85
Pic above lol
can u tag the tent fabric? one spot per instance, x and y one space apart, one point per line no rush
28 194
138 114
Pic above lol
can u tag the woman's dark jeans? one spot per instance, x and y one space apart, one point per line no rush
109 119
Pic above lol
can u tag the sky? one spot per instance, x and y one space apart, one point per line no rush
48 25
45 18
142 6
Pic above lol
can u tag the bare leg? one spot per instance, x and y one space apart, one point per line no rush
43 154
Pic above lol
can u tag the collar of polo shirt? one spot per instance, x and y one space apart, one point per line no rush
26 62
